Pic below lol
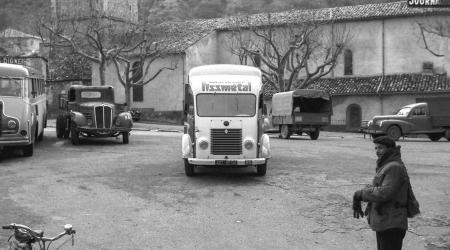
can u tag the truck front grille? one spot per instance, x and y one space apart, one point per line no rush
103 116
226 141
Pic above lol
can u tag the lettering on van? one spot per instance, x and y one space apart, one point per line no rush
228 87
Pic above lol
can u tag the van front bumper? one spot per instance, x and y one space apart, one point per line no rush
227 162
14 141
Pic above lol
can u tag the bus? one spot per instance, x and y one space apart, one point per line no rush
23 107
224 123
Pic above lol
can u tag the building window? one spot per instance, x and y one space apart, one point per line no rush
348 62
138 90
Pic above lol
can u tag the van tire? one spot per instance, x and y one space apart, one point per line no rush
285 132
261 169
66 128
394 132
28 150
188 168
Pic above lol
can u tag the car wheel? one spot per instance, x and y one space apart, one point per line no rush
261 169
435 137
284 132
125 137
314 134
74 135
188 168
394 132
28 150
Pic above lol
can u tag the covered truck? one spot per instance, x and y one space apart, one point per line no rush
301 111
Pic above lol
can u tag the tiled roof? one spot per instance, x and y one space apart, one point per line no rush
184 34
12 33
398 84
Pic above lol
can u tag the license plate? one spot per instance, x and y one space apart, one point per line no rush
226 162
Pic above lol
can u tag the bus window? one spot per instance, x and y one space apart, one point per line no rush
10 87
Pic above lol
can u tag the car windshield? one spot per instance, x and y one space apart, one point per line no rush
11 87
404 111
226 105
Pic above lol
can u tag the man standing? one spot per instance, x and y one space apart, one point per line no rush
386 196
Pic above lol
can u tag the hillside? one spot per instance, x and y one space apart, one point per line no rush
23 14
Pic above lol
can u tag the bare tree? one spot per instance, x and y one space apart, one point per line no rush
133 67
106 42
434 30
286 53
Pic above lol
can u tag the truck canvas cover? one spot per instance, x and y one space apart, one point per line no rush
282 103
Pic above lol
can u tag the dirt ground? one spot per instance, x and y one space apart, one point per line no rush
137 196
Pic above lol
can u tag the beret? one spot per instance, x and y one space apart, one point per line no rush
385 140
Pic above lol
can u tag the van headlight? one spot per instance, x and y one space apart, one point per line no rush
249 143
203 143
12 124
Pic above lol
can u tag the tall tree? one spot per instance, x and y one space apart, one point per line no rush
302 51
434 33
103 41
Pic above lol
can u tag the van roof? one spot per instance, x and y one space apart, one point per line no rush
224 69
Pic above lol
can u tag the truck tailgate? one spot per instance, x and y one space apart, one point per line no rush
312 118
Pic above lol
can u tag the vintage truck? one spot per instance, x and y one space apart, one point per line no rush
90 111
301 111
430 116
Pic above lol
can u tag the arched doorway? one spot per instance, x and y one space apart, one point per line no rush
353 117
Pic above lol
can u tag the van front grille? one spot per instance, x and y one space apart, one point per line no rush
226 141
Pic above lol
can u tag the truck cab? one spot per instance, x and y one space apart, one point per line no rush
90 111
412 119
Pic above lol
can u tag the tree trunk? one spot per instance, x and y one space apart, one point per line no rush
128 97
102 70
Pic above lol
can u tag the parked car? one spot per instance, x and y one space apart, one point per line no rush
90 111
301 111
431 116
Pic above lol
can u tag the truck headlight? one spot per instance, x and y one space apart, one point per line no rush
89 122
249 143
203 144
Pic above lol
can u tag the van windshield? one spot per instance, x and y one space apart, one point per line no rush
11 87
226 105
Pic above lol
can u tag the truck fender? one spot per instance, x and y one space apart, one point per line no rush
124 119
78 118
404 126
186 146
264 146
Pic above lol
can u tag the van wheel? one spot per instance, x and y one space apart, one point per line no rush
435 137
28 150
394 132
314 134
74 135
41 136
261 169
188 168
284 132
125 137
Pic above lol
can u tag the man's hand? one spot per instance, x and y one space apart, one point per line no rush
357 209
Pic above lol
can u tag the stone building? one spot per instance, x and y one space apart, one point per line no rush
17 47
386 56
